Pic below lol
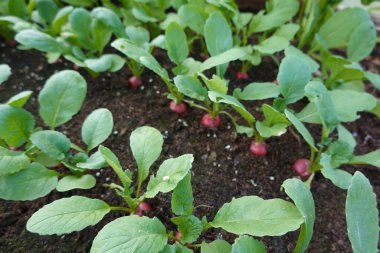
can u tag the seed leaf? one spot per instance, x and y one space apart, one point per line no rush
245 244
12 161
217 246
69 183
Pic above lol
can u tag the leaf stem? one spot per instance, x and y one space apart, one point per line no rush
121 208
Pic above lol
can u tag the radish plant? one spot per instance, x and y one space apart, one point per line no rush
34 161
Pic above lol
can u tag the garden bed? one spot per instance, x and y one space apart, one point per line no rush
223 166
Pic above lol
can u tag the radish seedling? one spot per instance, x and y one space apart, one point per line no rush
29 151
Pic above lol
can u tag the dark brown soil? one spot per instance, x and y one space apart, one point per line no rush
223 166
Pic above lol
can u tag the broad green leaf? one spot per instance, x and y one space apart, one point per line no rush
319 96
258 91
61 18
272 45
20 99
47 9
216 84
223 58
280 12
69 183
94 162
218 36
12 161
62 97
245 244
340 153
255 216
16 125
193 16
17 8
287 31
346 136
269 131
83 3
52 143
170 173
101 35
339 178
107 62
110 20
372 77
274 124
352 28
80 21
176 248
131 234
151 63
346 109
217 246
190 228
5 72
372 158
113 161
313 65
301 129
191 87
302 197
138 35
176 43
293 76
182 197
146 145
40 41
67 215
229 100
363 230
130 49
31 183
97 128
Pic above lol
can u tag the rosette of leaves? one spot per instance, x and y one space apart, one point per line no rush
35 161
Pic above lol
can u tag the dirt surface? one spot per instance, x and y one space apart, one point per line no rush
223 166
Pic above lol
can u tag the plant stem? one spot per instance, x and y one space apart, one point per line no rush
309 180
121 208
192 104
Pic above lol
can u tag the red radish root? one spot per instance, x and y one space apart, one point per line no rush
211 122
143 208
135 82
180 108
241 75
258 148
301 168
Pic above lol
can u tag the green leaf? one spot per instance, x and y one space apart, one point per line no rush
12 161
193 16
170 173
16 125
363 230
223 58
274 124
346 136
146 145
293 76
17 8
131 234
80 21
272 45
301 129
229 100
106 63
245 244
217 246
110 20
352 28
47 9
339 178
258 91
218 36
151 63
31 183
20 99
97 128
340 153
347 110
318 94
216 84
372 77
176 43
302 197
5 72
40 41
62 97
313 65
280 12
255 216
138 35
69 183
191 87
94 162
176 248
372 158
61 18
182 197
190 228
113 161
67 215
54 144
287 31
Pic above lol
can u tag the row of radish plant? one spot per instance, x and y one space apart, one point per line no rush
34 161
